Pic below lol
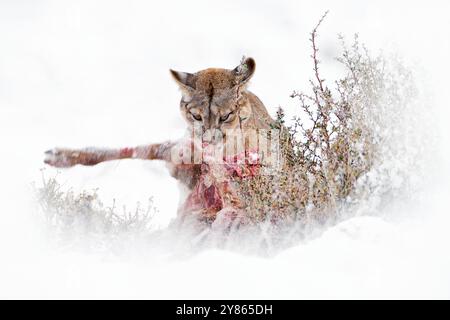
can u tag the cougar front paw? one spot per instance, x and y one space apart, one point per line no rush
62 158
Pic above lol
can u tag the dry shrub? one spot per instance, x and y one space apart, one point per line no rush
340 148
82 219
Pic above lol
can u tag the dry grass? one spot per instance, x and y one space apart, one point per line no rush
78 218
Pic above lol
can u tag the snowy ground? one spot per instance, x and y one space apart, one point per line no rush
96 73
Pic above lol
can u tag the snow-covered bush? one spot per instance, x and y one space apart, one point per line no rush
353 141
352 145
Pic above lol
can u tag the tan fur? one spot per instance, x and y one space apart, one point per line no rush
215 77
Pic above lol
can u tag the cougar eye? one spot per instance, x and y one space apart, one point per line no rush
226 117
196 117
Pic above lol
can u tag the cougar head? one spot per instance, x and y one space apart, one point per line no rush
214 100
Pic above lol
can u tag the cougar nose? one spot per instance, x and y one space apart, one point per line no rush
212 136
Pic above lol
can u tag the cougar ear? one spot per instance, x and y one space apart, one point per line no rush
244 71
185 80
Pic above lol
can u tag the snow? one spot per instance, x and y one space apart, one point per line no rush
95 73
